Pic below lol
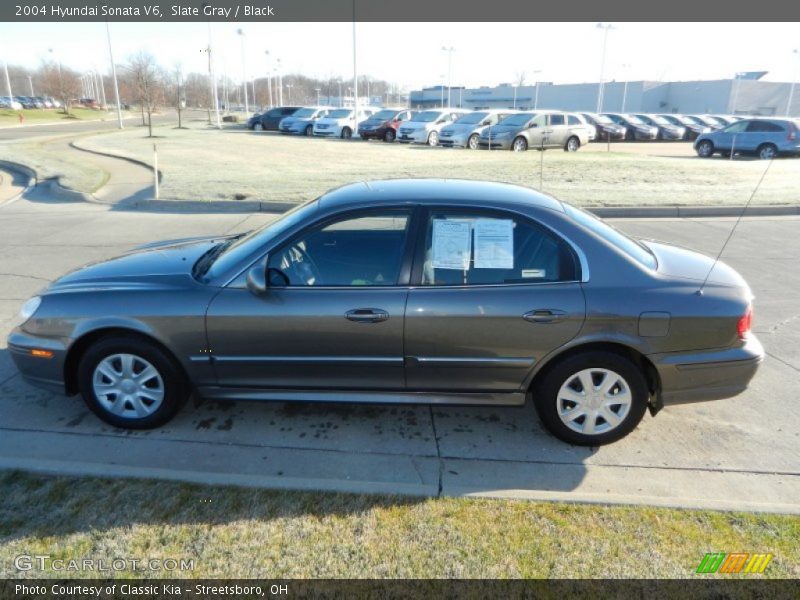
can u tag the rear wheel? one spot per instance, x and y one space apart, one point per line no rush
592 398
258 127
705 149
572 145
389 136
347 133
472 142
433 138
519 144
767 151
130 382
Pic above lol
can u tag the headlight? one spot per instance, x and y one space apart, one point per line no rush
28 309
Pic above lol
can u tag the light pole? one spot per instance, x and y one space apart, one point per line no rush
280 83
624 89
449 64
269 81
340 94
606 28
355 73
213 77
30 84
441 88
318 90
114 75
240 32
536 94
796 52
515 96
737 78
289 87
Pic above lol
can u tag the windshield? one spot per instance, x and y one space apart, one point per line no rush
603 119
660 120
305 112
340 113
472 118
634 119
384 115
428 116
243 246
631 247
517 120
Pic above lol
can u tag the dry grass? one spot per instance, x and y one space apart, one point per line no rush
251 533
10 118
204 164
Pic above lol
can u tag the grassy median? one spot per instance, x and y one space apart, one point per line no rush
10 118
201 163
237 532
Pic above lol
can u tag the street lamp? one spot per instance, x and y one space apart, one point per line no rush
606 28
536 95
289 92
240 32
280 82
515 96
624 88
796 52
449 64
318 90
269 81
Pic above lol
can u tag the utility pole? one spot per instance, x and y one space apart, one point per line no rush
114 75
355 74
796 52
213 77
449 64
605 29
240 31
8 81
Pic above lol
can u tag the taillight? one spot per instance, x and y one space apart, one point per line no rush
744 323
792 133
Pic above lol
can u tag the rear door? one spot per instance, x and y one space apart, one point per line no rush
496 292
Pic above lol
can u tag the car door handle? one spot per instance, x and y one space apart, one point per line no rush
544 315
366 315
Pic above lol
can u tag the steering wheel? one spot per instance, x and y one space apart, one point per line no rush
304 269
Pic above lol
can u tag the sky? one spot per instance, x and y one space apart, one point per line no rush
411 54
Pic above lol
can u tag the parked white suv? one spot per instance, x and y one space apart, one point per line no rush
340 122
424 128
464 132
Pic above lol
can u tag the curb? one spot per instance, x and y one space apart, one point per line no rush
638 212
134 161
26 171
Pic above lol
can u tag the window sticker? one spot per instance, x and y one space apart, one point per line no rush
451 244
534 273
494 243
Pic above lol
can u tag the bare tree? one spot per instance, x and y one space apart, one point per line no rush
149 81
60 82
520 78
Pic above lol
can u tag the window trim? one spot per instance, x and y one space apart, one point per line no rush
578 256
405 263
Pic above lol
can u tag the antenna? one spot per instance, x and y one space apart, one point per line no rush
733 229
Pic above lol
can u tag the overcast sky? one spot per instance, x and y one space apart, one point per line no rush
411 53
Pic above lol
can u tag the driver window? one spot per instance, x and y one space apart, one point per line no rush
539 121
366 250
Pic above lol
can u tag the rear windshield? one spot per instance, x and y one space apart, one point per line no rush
628 245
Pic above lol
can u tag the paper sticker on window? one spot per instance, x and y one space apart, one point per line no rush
451 244
534 273
494 244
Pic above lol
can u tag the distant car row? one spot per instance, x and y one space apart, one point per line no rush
502 129
20 102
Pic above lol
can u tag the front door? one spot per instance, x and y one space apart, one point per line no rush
497 293
332 317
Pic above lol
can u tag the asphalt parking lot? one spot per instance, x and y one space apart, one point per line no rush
741 453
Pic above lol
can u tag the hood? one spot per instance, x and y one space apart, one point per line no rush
682 263
172 258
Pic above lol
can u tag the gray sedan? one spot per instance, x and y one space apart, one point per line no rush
404 291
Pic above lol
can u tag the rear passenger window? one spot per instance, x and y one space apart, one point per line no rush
572 120
466 248
556 119
763 126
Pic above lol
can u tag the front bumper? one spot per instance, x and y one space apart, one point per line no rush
707 374
418 136
453 141
373 134
501 144
46 373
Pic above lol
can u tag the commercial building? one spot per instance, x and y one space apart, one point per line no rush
745 95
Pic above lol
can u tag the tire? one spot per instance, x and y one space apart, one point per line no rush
767 151
162 394
309 130
558 395
347 133
258 127
472 142
520 144
630 136
572 145
433 138
705 149
389 136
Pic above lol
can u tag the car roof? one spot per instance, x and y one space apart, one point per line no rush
433 191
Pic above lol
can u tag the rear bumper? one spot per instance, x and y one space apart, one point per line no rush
707 374
46 373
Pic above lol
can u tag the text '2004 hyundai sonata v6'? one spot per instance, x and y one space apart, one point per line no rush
416 291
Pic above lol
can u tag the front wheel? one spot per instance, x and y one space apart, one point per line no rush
433 138
592 398
767 151
347 133
258 127
705 149
309 130
472 142
572 144
389 136
520 144
131 383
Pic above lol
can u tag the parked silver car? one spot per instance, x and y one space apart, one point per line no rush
404 291
302 121
424 127
541 130
465 132
765 138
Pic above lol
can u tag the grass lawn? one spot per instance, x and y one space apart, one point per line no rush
236 532
201 163
9 118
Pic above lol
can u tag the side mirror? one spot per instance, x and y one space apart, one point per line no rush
532 125
257 280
